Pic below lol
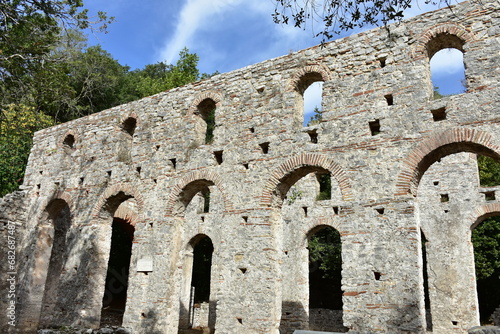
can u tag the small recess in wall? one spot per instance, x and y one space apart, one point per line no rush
109 173
336 210
174 163
245 219
138 169
305 210
157 147
264 147
439 114
374 127
243 270
489 195
380 211
444 198
218 156
240 320
454 322
245 164
436 183
252 130
313 136
382 61
377 275
390 99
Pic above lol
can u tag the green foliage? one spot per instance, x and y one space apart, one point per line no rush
325 250
160 77
210 120
436 94
340 15
18 123
293 195
325 187
489 171
486 240
29 32
316 118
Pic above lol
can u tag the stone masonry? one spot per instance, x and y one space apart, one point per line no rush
402 165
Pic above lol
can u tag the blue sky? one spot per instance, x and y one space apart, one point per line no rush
225 34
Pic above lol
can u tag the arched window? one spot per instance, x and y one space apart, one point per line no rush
206 110
448 72
445 52
313 97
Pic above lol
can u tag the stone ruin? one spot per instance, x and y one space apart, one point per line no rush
141 185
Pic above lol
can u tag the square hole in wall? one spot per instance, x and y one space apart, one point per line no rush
374 127
439 114
218 156
489 195
382 61
390 99
264 147
313 136
174 163
444 198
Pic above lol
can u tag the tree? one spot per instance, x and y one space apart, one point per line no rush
316 118
30 28
341 15
18 123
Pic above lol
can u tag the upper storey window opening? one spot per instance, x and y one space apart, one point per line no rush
447 67
448 72
206 110
313 97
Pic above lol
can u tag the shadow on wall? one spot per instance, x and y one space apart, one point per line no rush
293 317
150 322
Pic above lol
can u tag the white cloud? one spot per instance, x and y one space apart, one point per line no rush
192 16
447 61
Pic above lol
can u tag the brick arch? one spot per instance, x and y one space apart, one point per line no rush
305 160
210 94
482 212
449 28
114 190
438 145
297 78
127 214
56 194
190 178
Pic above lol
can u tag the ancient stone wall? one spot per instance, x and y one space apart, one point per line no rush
383 140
